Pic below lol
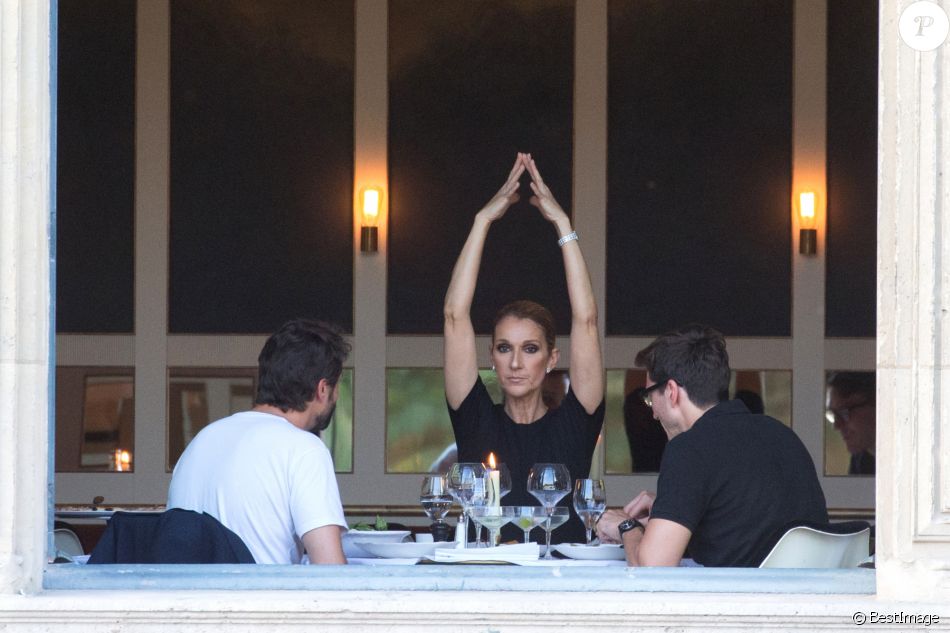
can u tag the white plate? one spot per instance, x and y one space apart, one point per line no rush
404 550
606 551
354 539
377 536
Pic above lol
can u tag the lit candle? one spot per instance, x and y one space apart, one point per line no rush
494 481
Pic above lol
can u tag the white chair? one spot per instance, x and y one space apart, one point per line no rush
831 546
67 543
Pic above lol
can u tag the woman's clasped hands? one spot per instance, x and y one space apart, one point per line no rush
543 199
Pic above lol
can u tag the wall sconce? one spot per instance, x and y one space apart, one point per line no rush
807 233
371 199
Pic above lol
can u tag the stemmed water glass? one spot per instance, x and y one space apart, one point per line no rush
590 501
436 500
549 483
481 498
493 518
558 516
529 517
461 480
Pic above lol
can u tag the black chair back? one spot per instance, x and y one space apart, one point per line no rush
173 536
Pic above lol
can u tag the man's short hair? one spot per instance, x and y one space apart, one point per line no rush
294 359
695 357
849 383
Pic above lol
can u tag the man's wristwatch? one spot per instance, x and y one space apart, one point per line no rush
625 526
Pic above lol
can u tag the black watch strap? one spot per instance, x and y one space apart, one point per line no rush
629 524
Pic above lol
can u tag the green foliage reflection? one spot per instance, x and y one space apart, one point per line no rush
418 429
339 435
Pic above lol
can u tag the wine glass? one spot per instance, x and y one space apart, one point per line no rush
557 517
461 481
528 518
481 497
549 483
493 518
436 500
590 501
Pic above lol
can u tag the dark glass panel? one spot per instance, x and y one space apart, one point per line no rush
471 84
95 165
851 285
261 164
699 166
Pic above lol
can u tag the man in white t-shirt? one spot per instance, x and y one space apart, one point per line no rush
264 473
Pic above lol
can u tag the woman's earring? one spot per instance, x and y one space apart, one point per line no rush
493 368
548 370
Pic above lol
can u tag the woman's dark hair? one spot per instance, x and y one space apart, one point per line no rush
695 357
294 359
524 309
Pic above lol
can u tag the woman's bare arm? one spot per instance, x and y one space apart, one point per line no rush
461 359
587 363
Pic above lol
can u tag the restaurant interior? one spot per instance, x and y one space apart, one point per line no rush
214 178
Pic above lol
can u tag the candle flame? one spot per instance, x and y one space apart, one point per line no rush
491 461
121 460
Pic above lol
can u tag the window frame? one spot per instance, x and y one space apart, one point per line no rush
590 28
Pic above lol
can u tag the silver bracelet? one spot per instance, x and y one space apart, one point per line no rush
567 238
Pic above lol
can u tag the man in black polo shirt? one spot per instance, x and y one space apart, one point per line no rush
729 479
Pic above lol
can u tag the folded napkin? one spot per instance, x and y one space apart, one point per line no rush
524 552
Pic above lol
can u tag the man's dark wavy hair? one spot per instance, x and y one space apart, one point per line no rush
849 383
294 359
695 357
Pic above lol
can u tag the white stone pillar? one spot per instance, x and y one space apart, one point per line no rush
913 338
371 169
24 290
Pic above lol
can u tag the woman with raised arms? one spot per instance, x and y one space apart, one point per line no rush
522 430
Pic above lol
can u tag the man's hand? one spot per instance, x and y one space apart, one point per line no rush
640 506
607 525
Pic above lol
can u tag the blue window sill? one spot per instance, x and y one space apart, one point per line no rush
459 577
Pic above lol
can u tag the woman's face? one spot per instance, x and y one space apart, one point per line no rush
520 356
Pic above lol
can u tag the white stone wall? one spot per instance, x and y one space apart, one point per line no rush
913 343
24 291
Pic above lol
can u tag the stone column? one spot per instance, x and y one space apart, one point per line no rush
25 235
913 338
